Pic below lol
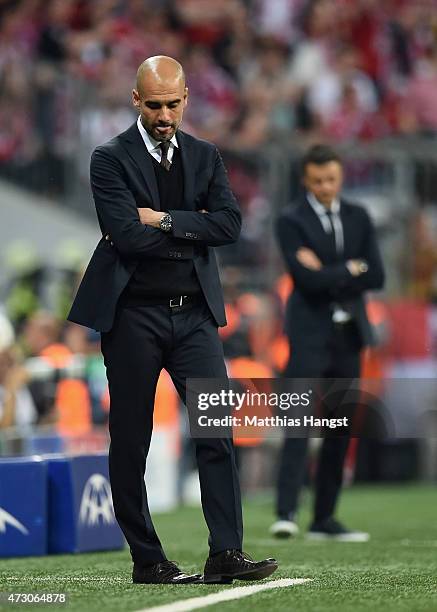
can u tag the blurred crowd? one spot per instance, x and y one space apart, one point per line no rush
258 71
54 394
61 365
52 372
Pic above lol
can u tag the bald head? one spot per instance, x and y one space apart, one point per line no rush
159 69
160 96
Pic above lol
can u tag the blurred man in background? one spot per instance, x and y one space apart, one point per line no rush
330 248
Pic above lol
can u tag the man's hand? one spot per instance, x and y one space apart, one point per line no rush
357 266
151 217
309 259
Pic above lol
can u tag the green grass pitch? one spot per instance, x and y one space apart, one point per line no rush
396 570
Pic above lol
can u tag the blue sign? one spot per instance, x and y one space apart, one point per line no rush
23 507
81 514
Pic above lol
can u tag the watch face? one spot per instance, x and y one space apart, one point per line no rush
165 223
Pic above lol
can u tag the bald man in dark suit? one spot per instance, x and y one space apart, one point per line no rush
152 289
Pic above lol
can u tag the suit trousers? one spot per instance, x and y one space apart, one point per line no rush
142 341
339 359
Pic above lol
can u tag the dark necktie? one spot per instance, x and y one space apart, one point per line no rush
332 233
164 146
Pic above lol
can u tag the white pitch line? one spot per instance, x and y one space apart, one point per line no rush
194 603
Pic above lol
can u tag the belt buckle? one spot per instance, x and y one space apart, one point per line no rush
179 301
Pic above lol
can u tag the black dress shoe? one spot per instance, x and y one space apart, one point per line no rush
331 529
165 572
228 565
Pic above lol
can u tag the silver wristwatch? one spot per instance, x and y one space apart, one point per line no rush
166 223
363 267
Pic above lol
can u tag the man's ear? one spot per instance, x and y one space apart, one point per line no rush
185 96
135 98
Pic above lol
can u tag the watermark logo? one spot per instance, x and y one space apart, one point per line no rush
238 400
296 407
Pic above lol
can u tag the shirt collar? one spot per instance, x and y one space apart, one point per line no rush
150 142
319 208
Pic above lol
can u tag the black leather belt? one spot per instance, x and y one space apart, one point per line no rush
175 303
181 300
345 326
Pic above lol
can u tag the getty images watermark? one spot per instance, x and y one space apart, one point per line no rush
240 402
254 408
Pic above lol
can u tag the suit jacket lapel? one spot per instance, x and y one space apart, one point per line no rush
187 167
136 148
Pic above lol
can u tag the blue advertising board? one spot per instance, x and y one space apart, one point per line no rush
23 507
80 511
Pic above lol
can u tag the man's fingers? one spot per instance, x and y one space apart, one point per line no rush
310 255
308 258
306 251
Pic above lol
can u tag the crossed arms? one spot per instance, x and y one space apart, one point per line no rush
313 277
134 231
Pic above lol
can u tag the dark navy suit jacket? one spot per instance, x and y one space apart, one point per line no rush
122 180
308 321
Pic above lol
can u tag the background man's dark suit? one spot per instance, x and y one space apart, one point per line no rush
319 348
138 341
